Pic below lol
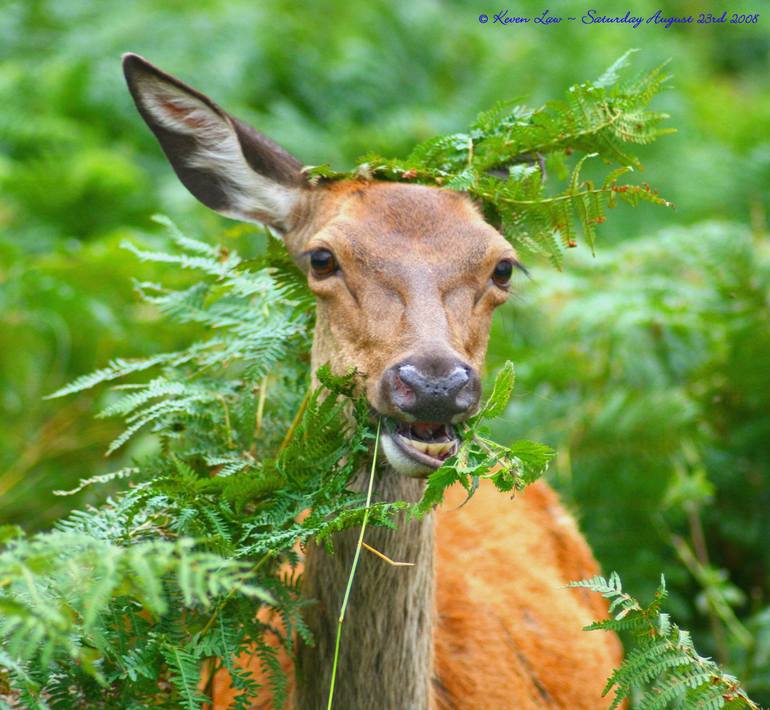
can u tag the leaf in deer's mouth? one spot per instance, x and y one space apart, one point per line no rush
425 440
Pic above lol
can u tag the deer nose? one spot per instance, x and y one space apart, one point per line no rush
432 390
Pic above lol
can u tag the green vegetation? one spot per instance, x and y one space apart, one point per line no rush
644 368
663 664
502 160
647 368
119 606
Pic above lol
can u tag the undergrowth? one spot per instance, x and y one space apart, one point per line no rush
137 603
123 605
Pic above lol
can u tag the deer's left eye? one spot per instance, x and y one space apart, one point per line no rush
502 273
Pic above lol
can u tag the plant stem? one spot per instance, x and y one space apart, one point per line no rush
261 404
228 426
353 567
254 570
295 422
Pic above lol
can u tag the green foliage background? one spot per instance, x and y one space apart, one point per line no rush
647 367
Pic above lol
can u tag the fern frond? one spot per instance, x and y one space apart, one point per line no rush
663 669
499 160
185 675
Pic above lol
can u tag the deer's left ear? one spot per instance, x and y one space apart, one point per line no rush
226 164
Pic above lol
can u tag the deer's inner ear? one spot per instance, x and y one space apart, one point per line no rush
226 164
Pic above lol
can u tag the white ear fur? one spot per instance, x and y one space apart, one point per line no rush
251 196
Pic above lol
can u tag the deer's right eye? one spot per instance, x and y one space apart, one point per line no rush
322 263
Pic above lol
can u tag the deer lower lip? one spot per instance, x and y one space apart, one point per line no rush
428 444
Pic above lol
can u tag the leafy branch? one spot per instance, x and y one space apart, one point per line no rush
510 468
501 160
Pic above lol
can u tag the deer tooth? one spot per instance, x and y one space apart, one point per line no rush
437 450
432 449
415 444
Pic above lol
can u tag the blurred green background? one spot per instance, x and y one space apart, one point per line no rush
647 367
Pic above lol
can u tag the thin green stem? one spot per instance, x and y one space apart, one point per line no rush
554 145
556 198
261 404
353 567
295 422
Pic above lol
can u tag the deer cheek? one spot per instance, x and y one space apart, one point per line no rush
477 338
323 288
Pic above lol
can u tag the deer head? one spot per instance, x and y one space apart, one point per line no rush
406 276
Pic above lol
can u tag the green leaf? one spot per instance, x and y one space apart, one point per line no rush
612 73
501 392
185 674
533 457
10 532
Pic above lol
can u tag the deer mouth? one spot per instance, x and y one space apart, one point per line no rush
424 445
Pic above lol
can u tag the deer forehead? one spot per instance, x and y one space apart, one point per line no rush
402 233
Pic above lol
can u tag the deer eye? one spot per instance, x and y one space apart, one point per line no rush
322 262
502 273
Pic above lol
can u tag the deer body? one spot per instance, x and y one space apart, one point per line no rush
504 634
496 630
406 279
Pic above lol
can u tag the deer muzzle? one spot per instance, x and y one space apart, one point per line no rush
426 396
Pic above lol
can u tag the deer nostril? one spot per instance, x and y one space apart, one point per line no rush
401 387
409 375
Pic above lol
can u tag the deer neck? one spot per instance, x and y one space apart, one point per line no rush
386 648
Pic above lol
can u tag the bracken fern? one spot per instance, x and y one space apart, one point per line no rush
663 665
139 602
124 605
501 160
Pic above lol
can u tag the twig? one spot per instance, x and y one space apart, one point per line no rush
386 558
353 567
633 189
211 666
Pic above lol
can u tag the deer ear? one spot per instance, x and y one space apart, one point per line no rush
226 164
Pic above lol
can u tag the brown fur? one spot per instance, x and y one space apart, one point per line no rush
417 257
507 634
482 620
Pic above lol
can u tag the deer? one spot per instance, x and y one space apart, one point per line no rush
406 279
